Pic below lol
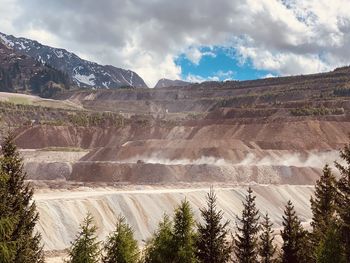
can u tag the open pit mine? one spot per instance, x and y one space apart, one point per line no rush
139 152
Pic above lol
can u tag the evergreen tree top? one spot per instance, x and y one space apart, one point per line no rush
85 248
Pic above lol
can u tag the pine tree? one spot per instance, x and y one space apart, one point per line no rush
323 206
296 245
160 248
343 199
267 249
85 248
330 249
121 247
246 240
183 234
19 208
212 245
7 223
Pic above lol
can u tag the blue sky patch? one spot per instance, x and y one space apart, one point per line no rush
217 63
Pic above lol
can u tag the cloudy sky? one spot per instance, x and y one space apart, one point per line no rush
193 40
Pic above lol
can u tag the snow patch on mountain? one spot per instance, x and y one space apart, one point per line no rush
58 53
7 42
88 80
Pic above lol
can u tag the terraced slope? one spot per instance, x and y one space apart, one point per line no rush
279 130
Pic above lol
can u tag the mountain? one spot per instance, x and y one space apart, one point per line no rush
164 83
84 73
22 73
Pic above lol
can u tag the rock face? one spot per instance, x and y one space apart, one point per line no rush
82 72
164 83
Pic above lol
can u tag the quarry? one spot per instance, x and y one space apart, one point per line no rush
139 152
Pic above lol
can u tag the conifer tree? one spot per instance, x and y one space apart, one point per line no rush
19 214
323 206
183 234
160 248
212 244
246 239
296 245
85 248
267 249
343 199
7 223
121 247
330 249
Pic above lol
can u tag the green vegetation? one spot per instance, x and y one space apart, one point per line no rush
267 248
19 242
294 248
41 80
310 111
85 248
29 114
159 247
103 119
323 206
184 234
343 199
19 100
212 244
246 239
330 248
342 92
121 245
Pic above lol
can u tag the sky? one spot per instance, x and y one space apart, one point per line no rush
193 40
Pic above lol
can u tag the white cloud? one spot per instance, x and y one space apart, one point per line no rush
286 37
217 76
194 78
284 63
225 75
194 55
269 75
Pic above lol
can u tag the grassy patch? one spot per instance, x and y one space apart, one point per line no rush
310 111
20 100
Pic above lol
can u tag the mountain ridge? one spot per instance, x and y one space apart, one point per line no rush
84 73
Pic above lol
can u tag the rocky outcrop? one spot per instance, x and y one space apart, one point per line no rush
164 83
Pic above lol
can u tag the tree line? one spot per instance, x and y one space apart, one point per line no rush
179 238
